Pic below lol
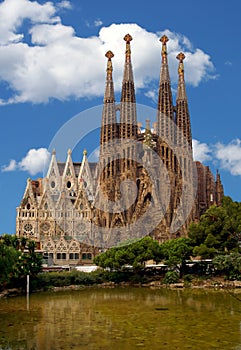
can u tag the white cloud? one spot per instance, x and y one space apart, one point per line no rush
98 23
152 94
46 34
228 63
34 162
65 5
224 156
10 167
201 151
230 156
59 64
14 12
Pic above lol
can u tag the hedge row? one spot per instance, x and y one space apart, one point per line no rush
61 279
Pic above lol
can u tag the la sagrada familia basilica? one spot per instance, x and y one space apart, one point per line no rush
145 183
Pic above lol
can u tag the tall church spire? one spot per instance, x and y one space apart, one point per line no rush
165 105
182 112
128 121
108 125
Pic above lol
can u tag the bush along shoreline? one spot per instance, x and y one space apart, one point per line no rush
76 280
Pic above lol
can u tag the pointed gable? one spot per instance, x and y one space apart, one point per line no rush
69 181
85 179
53 179
46 202
30 195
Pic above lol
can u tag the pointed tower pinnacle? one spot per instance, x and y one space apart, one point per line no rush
164 39
108 125
128 39
181 93
128 120
182 112
109 92
165 115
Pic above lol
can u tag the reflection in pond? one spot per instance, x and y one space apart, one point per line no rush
122 319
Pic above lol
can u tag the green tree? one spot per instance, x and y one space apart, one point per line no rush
176 252
219 230
17 259
229 265
204 251
8 259
134 254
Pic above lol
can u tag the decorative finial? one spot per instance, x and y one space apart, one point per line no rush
85 152
109 55
54 152
69 152
164 39
128 39
181 57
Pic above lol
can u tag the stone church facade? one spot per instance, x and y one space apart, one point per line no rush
145 183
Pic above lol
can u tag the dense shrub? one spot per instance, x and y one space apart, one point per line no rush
171 277
228 265
62 279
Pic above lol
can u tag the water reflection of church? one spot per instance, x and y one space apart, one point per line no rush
68 212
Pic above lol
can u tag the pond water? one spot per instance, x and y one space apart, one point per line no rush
122 319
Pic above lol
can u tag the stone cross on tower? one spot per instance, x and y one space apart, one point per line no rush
164 39
181 58
128 39
109 55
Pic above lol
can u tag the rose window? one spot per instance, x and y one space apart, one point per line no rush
28 228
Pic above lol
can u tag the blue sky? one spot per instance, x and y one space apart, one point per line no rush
52 67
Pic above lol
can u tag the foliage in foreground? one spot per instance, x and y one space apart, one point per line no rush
134 254
218 231
48 280
175 253
171 277
17 260
228 265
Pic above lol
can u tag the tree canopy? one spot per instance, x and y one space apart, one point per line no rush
218 231
175 253
134 254
17 259
229 265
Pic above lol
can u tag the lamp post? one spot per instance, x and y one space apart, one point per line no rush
27 292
